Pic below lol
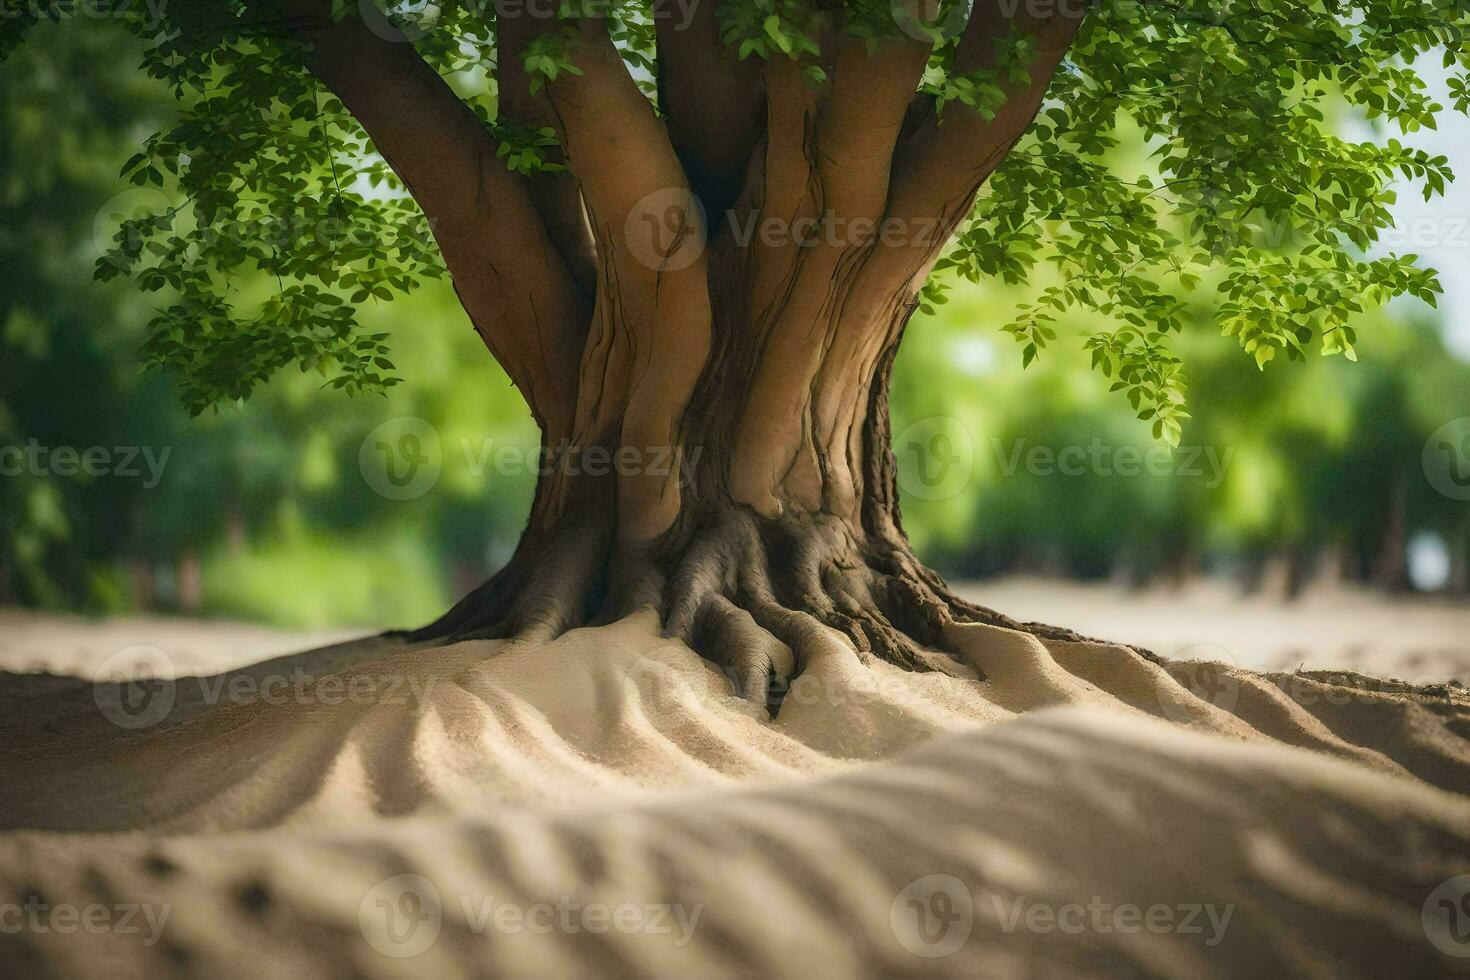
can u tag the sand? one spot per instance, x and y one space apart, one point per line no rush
1330 626
603 805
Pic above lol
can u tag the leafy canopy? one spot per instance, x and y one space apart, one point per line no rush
1242 183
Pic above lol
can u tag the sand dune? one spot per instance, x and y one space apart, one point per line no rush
1066 809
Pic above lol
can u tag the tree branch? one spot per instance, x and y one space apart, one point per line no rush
557 196
828 160
941 167
651 330
788 191
713 103
861 120
507 271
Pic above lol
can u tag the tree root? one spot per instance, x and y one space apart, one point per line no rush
759 599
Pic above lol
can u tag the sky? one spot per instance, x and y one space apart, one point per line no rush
1438 231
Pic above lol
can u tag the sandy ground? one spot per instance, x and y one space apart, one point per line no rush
78 645
1415 638
604 806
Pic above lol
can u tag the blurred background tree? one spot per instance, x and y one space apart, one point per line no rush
1283 477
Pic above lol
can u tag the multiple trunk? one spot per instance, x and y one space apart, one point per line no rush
758 594
702 311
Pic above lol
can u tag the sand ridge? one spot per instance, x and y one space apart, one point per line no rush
614 765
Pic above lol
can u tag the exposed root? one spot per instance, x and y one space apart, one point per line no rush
559 589
760 665
550 585
758 598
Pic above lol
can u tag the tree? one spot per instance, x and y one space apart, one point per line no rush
693 234
51 186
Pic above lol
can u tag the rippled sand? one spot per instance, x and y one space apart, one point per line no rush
499 809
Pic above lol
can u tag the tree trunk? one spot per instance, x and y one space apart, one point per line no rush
1390 564
787 536
713 394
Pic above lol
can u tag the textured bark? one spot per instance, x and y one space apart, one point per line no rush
759 595
734 382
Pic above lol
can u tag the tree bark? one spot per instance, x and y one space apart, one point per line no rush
713 397
757 593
